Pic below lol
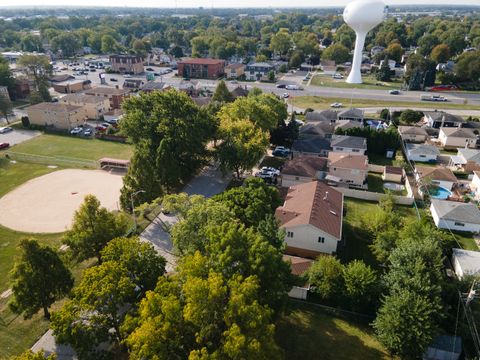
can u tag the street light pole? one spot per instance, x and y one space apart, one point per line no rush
133 208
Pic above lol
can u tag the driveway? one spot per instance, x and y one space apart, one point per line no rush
208 183
18 136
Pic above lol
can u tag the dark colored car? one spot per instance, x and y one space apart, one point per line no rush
113 79
4 146
149 69
281 86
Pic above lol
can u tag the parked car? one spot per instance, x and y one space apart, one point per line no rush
336 105
4 146
281 86
100 128
286 95
394 92
5 129
156 74
338 76
271 170
233 82
127 76
281 151
88 132
106 124
264 175
76 131
149 69
112 121
113 79
93 70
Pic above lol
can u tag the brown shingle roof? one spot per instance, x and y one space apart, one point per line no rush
313 203
394 170
104 90
434 173
49 106
412 130
458 132
347 161
303 165
234 66
82 98
202 61
298 264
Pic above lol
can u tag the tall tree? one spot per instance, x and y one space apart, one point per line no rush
325 276
5 106
93 227
337 52
30 355
384 72
222 94
39 279
440 53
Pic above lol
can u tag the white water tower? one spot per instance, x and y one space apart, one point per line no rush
362 16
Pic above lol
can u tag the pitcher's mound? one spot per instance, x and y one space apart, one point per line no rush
47 204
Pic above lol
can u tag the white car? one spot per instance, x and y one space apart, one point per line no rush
272 170
336 105
338 76
292 87
233 82
76 131
127 76
286 95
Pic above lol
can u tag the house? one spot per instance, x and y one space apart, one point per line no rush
239 92
349 144
311 216
328 116
134 84
466 159
455 215
347 124
444 347
114 94
347 169
351 114
298 266
475 184
322 129
466 262
422 152
258 71
438 119
71 86
127 64
154 86
439 176
302 169
457 137
376 50
201 68
394 174
56 115
234 71
93 107
311 145
328 67
413 134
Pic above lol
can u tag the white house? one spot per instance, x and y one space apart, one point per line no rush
440 176
312 219
349 144
422 152
466 159
455 215
457 137
439 119
466 262
475 184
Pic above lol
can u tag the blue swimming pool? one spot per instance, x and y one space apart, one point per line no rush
438 192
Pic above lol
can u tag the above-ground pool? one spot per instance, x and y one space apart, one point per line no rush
438 192
393 186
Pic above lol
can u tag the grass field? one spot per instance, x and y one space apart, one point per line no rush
308 333
74 147
322 103
369 82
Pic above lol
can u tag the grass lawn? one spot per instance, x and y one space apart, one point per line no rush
309 333
74 147
322 103
382 160
369 82
466 240
375 184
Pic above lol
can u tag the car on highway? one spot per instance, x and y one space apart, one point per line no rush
394 92
4 146
293 87
281 151
337 76
336 105
76 131
286 95
5 129
436 98
281 86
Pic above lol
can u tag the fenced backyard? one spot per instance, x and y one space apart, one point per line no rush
61 161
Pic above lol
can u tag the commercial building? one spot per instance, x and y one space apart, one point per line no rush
56 115
93 107
127 64
201 68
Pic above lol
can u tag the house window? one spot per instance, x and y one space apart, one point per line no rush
290 234
339 149
355 150
297 178
459 224
423 156
321 239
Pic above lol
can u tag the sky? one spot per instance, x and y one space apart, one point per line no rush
217 3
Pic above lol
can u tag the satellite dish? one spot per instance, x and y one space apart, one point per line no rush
362 16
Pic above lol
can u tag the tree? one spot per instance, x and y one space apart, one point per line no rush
394 52
68 43
325 277
176 51
360 282
96 310
222 94
140 259
138 47
440 53
37 66
427 43
420 72
384 73
281 42
6 77
5 106
410 116
30 355
170 133
109 44
242 146
467 67
338 53
39 279
93 227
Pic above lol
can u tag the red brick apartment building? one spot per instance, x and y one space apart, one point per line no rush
201 68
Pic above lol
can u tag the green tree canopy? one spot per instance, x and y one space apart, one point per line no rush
39 278
222 94
325 277
337 52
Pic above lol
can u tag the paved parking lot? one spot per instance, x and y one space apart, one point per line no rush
18 136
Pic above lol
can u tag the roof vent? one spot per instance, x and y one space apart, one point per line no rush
333 212
325 198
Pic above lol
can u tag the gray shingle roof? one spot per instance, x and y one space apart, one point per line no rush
469 260
311 144
326 115
351 113
412 130
456 211
439 115
352 142
317 129
470 155
422 149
